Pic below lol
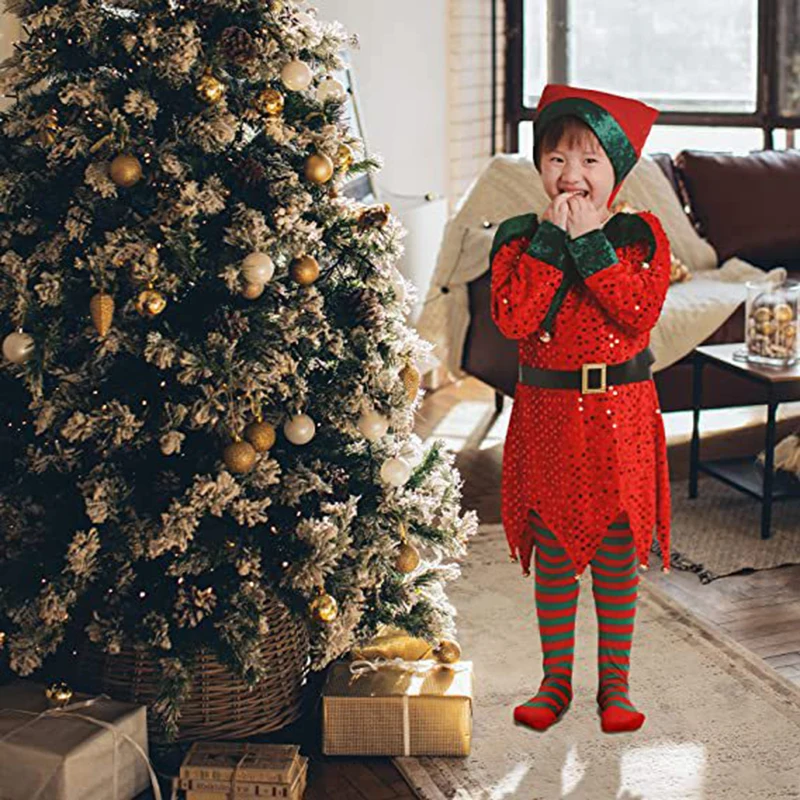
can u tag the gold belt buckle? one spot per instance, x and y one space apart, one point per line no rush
585 379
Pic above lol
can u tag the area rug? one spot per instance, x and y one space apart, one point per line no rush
718 533
721 724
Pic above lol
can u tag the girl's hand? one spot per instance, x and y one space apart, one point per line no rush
582 216
557 211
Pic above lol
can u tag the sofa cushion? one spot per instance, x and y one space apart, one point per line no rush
746 206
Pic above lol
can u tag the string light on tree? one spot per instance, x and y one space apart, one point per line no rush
300 429
18 347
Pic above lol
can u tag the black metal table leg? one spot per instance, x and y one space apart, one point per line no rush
697 399
769 475
499 397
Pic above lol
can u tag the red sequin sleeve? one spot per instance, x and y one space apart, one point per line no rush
526 274
630 287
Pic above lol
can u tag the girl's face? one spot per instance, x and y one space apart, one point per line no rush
578 164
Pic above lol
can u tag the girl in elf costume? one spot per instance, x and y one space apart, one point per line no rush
585 475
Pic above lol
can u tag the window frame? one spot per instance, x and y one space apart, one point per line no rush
766 115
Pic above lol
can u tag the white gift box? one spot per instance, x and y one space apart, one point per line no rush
94 749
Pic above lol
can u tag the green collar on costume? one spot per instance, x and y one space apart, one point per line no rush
611 135
621 229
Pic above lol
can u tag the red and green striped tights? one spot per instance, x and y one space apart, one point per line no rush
615 581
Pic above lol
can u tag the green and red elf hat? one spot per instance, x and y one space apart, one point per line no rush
620 123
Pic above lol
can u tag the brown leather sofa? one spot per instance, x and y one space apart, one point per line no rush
745 206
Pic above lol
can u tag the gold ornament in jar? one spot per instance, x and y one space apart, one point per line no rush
58 694
239 456
323 608
261 435
270 101
783 312
150 303
771 313
210 89
305 270
101 307
447 652
319 168
125 170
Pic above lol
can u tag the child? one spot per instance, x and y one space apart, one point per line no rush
585 474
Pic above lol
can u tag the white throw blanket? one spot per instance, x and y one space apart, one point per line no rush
510 185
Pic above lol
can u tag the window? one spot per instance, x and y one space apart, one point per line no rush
724 74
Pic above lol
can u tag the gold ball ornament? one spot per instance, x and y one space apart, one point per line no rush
407 558
323 608
210 89
305 270
319 168
345 157
270 101
150 303
58 694
297 76
18 347
101 307
239 456
261 435
252 291
411 378
447 652
125 170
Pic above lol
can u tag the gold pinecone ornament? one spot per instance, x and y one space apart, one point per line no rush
101 307
305 270
210 89
261 435
447 652
125 170
345 157
270 101
239 456
319 168
374 217
150 303
411 379
323 608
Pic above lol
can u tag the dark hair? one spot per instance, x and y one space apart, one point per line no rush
569 126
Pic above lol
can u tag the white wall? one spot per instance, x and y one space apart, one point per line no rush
401 72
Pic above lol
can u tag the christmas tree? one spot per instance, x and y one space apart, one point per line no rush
208 380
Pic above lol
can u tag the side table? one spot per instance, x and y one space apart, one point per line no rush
780 385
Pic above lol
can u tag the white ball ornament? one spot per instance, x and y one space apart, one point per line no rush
258 268
330 89
18 347
395 471
299 429
296 76
373 425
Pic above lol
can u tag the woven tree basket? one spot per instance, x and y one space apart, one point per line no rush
220 705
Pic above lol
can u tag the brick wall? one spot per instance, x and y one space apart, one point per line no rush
470 90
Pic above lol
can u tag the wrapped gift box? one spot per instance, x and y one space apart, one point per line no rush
242 770
63 756
391 710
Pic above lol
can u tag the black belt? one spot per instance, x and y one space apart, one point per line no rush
591 378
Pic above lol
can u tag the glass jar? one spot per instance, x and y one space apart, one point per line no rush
771 322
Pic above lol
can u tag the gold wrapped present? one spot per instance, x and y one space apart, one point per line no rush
397 708
239 770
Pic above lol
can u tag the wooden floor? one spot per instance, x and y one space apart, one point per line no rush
760 610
